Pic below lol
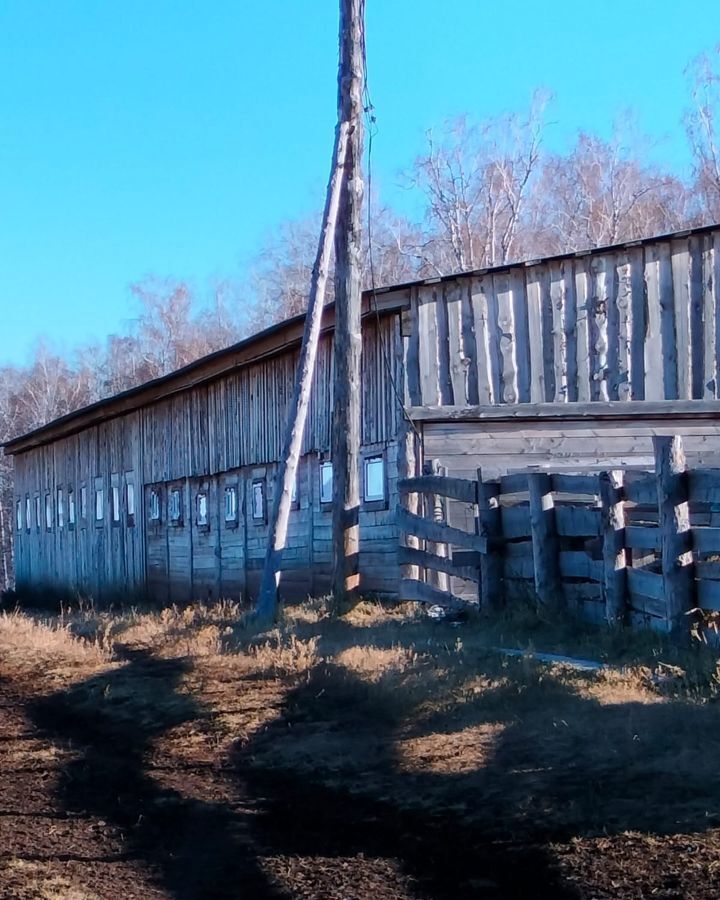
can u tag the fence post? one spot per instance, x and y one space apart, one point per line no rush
675 535
546 560
614 554
435 511
492 594
408 468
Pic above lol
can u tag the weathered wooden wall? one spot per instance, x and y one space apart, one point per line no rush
228 431
638 322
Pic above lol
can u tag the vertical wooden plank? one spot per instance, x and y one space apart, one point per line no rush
614 553
481 317
599 328
638 322
582 327
429 363
622 387
546 557
459 361
668 323
709 375
506 337
435 511
444 349
469 340
571 330
522 342
492 593
557 304
697 309
535 335
654 365
674 522
680 266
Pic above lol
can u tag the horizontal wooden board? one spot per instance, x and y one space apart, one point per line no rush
706 540
650 584
577 564
573 521
638 537
439 532
575 484
455 488
419 591
415 557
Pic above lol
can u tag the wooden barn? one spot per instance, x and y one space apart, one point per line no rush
572 362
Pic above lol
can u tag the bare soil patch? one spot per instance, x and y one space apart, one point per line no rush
188 755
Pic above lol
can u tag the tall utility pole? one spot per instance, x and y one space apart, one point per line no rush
348 296
344 163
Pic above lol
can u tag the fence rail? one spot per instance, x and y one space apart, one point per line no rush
623 546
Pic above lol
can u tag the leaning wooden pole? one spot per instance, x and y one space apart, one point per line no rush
297 414
348 299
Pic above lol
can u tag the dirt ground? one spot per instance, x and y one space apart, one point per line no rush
183 755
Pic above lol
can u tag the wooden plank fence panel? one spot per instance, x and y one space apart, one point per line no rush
426 593
578 564
414 557
577 521
438 531
638 537
575 484
456 488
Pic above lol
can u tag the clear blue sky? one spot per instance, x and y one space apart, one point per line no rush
170 137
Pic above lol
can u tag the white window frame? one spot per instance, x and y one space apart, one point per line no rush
71 507
202 519
83 503
38 512
175 507
370 459
154 505
18 515
325 466
48 511
60 509
259 490
28 512
99 511
231 513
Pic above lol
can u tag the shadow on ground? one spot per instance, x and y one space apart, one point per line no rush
330 779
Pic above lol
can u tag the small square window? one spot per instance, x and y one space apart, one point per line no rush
38 521
175 507
28 511
48 512
231 505
374 480
326 482
201 514
83 502
154 506
258 501
60 508
71 508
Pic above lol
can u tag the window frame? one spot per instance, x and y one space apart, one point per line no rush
83 504
324 464
154 506
374 503
115 500
72 511
99 504
262 484
60 507
176 518
231 489
48 512
28 513
130 500
18 515
202 494
38 512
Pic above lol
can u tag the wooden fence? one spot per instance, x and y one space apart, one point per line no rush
624 546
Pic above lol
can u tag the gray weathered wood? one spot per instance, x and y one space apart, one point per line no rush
267 601
420 592
456 488
544 538
614 554
438 532
490 528
676 550
427 560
